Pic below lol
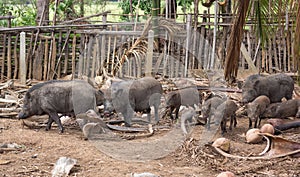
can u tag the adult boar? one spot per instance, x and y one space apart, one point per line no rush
56 96
256 108
138 95
275 87
188 96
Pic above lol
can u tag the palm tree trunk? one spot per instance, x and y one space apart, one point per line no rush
235 39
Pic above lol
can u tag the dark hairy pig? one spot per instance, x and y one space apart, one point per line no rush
224 111
57 96
289 108
188 96
138 95
275 87
256 108
209 107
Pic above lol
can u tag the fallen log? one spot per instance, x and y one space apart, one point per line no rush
288 125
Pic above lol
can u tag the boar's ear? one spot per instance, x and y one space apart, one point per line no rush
255 84
119 92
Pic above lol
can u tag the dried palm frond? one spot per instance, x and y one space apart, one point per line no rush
139 47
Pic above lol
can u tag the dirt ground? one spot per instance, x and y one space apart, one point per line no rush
40 150
194 157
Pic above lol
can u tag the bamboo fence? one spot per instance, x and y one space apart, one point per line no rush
123 49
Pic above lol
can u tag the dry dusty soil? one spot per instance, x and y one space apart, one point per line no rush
40 150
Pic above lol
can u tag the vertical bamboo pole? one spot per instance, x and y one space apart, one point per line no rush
29 57
275 52
73 56
81 56
22 70
3 57
95 49
289 54
9 57
66 61
89 54
103 50
46 54
187 45
16 60
270 56
60 50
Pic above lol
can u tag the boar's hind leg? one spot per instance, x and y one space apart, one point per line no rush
54 117
49 123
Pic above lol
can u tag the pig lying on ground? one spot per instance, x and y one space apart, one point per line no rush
275 87
183 97
223 112
289 108
209 107
135 95
256 108
66 97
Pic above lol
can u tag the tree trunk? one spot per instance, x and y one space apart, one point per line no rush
235 39
42 18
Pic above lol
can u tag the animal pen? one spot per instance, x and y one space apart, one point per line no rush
134 49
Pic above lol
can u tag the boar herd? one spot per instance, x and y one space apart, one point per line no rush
262 96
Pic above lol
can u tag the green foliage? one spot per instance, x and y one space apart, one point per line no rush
268 18
144 5
25 13
185 4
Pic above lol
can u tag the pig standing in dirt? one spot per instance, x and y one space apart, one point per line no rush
66 97
135 95
289 108
275 87
183 97
209 107
256 108
224 111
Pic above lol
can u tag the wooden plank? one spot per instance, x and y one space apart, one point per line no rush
3 57
89 55
16 59
270 55
9 57
275 52
149 58
73 56
46 54
29 57
95 48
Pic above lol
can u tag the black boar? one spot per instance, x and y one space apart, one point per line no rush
66 97
275 87
209 107
183 97
224 111
136 95
256 108
289 108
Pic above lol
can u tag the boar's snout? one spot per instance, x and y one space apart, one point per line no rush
22 115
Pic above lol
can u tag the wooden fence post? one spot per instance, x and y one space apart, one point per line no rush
187 47
149 58
22 70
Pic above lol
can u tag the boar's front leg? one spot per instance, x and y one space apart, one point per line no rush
232 121
53 117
